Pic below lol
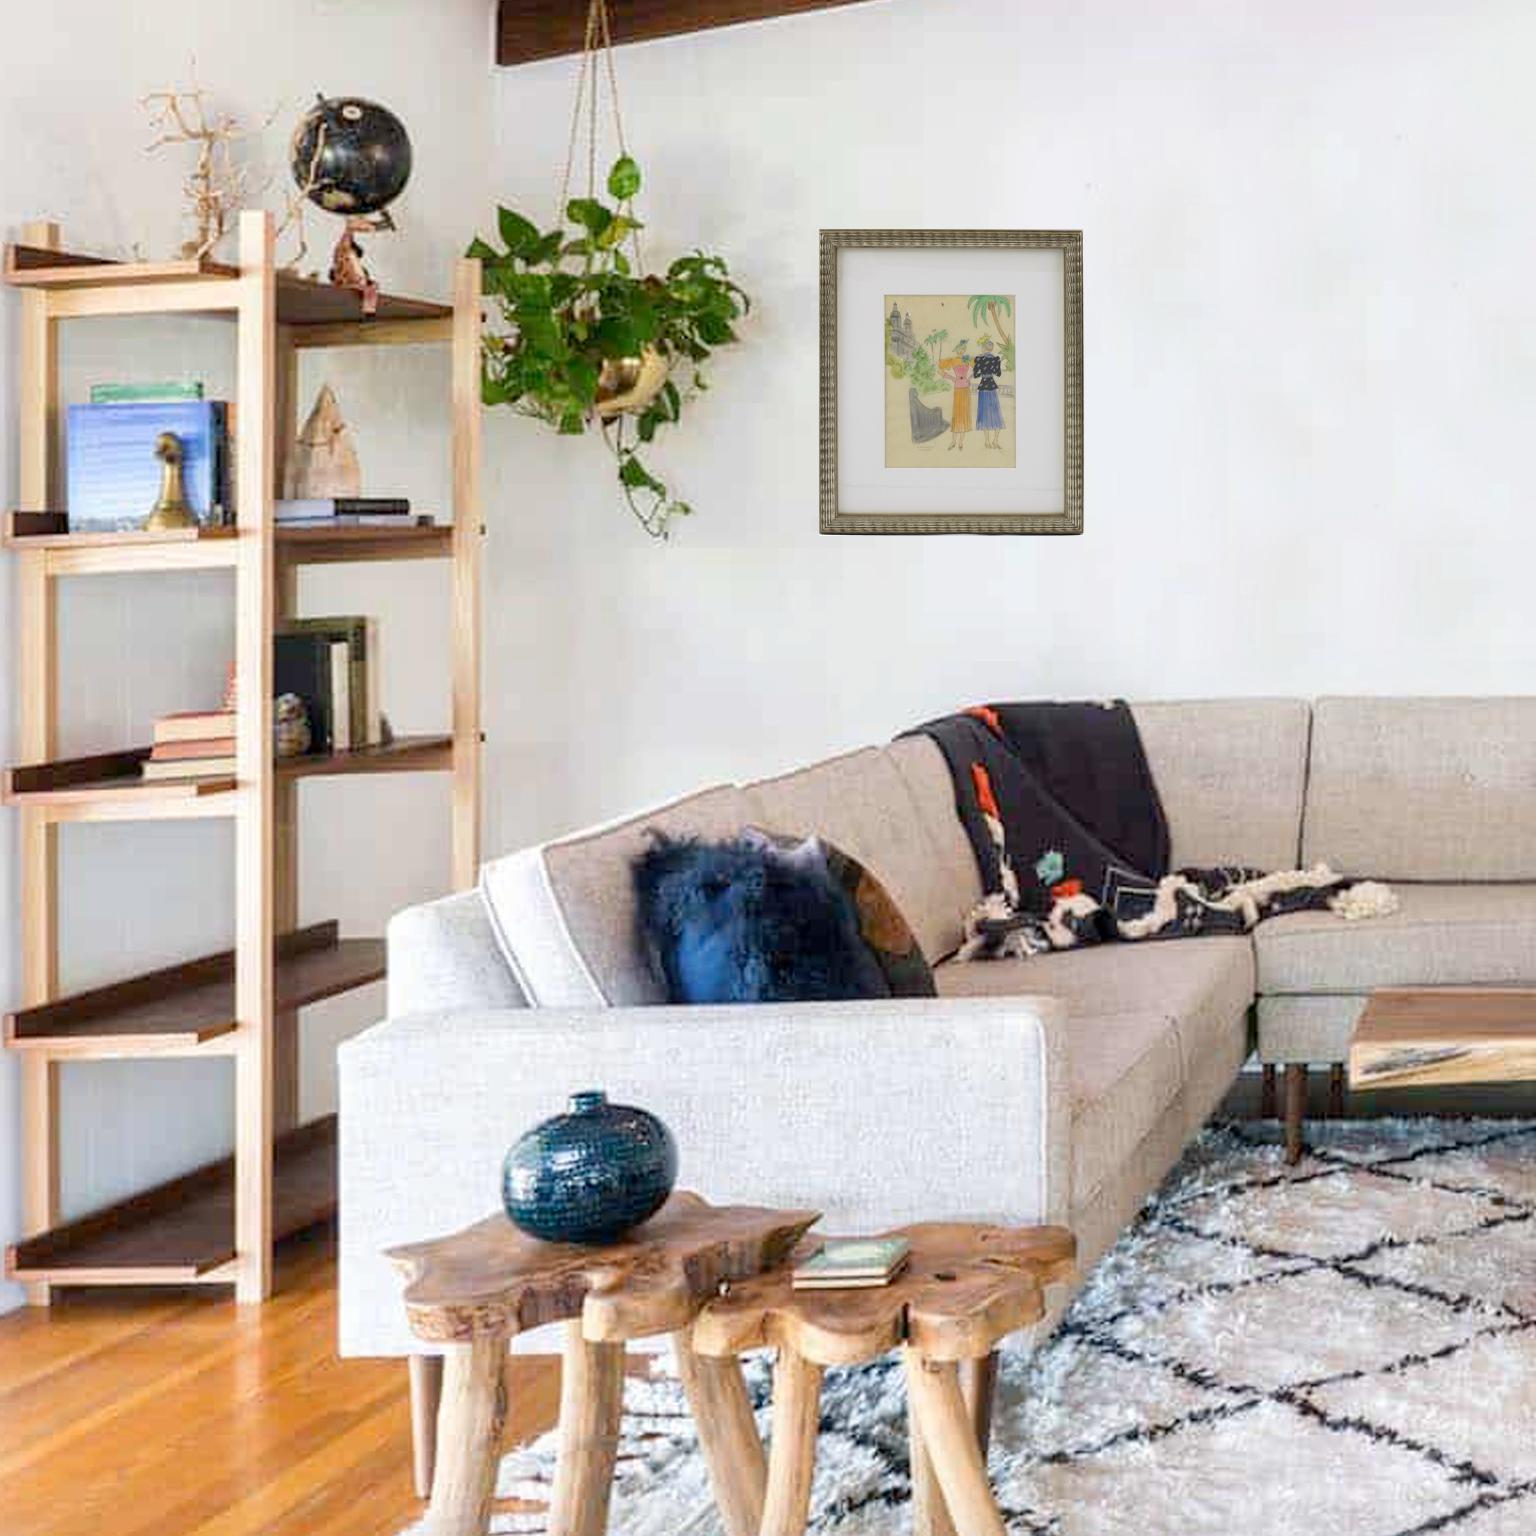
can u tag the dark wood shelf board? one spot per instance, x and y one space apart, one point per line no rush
300 300
322 546
50 530
183 1230
182 1007
405 754
112 776
306 546
32 266
102 777
548 29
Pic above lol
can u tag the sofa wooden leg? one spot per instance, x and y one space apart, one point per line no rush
1336 1091
1268 1100
1295 1108
426 1395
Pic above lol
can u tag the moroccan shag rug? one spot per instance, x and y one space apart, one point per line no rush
1346 1348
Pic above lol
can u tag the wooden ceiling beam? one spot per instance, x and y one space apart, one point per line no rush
548 29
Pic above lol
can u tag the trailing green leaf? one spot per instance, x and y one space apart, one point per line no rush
570 300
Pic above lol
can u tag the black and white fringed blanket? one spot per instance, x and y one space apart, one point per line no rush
1069 834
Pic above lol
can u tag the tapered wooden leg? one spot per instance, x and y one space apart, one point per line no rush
722 1413
591 1399
978 1384
1269 1103
944 1425
1295 1108
930 1514
792 1449
470 1421
1336 1091
426 1395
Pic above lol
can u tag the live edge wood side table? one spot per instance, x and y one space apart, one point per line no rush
480 1287
965 1289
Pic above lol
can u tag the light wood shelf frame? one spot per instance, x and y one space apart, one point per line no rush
215 1226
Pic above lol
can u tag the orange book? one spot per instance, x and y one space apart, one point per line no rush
195 725
180 751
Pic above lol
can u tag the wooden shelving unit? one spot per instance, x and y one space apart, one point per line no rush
217 1224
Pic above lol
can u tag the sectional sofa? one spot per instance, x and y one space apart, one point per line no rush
1060 1088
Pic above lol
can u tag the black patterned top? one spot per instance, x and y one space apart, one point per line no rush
988 368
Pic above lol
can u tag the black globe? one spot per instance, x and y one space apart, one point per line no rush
352 155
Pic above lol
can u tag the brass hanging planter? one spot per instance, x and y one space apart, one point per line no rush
626 385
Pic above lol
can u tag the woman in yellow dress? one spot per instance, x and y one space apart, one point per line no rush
957 370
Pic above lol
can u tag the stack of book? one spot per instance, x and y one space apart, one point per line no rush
196 745
346 511
332 664
852 1264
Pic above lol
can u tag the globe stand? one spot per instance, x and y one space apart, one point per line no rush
348 269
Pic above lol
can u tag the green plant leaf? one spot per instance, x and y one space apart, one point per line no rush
624 178
616 336
636 476
616 230
674 400
518 234
590 214
479 250
572 423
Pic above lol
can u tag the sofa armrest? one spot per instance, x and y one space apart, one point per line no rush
874 1113
443 956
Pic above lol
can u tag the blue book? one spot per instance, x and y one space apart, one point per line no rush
113 474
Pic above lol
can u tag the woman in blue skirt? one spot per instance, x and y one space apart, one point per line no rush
989 410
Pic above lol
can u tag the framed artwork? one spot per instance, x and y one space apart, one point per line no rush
951 381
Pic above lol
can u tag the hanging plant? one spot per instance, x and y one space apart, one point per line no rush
584 335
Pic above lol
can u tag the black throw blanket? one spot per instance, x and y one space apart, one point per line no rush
1069 835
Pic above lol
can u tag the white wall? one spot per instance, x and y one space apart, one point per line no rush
1310 381
135 896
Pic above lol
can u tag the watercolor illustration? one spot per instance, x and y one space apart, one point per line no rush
950 398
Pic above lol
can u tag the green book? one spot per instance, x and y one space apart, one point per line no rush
853 1262
122 394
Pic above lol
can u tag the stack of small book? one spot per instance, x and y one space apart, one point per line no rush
346 512
196 745
852 1264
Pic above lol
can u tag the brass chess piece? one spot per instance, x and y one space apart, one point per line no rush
172 510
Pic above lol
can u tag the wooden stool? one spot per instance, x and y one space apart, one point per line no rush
481 1286
964 1289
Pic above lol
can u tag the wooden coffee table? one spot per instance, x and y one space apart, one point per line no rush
965 1288
477 1289
1413 1037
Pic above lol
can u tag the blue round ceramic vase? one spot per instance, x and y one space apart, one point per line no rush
591 1174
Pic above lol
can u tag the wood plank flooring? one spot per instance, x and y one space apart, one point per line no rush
176 1413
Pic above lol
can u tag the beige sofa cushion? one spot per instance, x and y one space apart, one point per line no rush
1441 935
1203 986
565 913
1423 789
1231 774
1124 1074
1316 1027
864 803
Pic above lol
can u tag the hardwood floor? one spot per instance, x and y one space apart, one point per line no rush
157 1413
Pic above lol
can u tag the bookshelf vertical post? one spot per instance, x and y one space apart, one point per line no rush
255 578
37 613
468 530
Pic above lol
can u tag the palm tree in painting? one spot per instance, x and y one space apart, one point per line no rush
994 306
934 340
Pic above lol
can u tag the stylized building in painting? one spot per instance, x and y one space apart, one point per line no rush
899 337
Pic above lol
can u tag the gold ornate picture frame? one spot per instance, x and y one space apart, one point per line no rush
969 417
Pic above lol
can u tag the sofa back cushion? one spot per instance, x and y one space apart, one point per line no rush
893 809
565 912
1424 789
1232 775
